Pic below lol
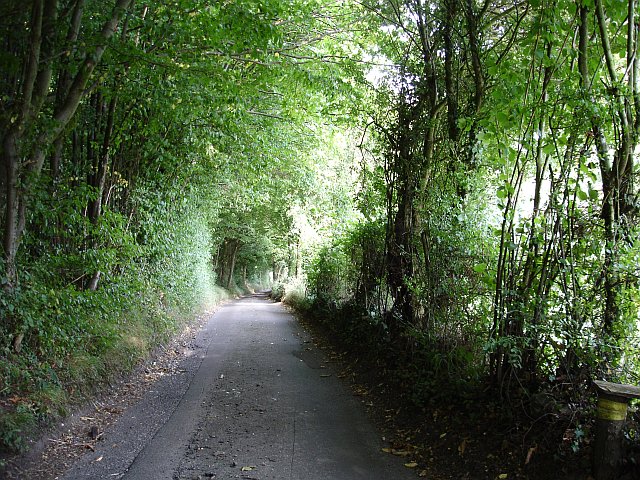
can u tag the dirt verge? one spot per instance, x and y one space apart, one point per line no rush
458 437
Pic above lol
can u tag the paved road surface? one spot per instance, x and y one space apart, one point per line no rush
252 402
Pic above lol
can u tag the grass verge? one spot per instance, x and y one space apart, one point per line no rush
79 353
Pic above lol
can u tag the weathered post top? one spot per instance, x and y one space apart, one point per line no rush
621 390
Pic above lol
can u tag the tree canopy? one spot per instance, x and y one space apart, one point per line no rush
454 177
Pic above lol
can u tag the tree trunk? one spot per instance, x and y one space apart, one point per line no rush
99 169
449 55
11 237
232 264
401 225
64 82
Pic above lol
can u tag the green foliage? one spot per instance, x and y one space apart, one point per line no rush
432 183
195 132
492 251
292 292
326 275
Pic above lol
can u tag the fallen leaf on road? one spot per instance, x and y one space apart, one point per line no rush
462 447
401 453
405 451
411 465
502 476
360 391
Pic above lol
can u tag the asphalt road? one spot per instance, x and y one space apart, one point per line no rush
254 400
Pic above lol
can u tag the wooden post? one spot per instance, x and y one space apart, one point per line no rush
613 400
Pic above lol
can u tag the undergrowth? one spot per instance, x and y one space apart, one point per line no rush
80 347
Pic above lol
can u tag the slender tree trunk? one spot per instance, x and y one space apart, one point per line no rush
400 251
451 7
64 81
100 167
10 235
232 263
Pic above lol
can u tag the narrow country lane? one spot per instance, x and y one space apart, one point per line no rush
255 401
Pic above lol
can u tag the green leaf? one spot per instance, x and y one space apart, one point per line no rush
480 268
502 118
582 195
